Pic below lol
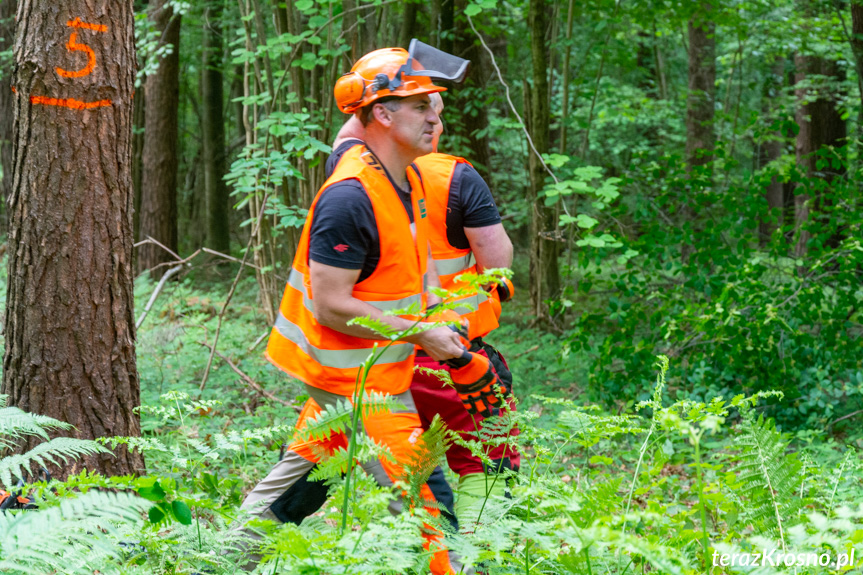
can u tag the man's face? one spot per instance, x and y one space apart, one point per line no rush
414 124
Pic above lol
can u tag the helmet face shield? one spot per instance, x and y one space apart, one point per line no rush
435 64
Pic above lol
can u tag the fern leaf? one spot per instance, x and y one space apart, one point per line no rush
429 450
64 448
56 538
15 423
767 477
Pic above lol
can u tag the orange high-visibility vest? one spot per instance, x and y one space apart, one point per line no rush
437 171
328 359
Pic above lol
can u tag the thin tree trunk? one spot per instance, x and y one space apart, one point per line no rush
857 48
7 38
770 151
564 104
700 104
821 125
545 280
137 157
473 124
213 131
409 18
158 217
70 334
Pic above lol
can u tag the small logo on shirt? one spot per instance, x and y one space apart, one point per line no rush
341 248
422 205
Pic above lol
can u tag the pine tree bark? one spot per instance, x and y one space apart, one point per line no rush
70 332
700 103
544 277
158 217
820 124
7 38
213 128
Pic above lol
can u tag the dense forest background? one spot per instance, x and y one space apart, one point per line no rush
680 179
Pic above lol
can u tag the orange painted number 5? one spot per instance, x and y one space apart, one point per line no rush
73 45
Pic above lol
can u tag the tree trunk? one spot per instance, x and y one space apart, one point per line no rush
769 151
7 38
544 276
137 158
70 333
213 128
409 18
447 25
700 138
473 124
821 124
857 48
158 218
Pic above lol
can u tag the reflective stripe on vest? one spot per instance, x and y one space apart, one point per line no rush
437 172
455 266
329 359
340 358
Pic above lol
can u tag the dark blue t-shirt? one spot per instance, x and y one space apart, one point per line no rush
344 233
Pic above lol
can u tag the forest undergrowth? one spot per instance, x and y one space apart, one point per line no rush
645 484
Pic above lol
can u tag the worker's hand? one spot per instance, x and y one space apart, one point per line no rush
440 343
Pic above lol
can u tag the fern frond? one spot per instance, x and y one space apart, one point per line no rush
429 450
64 448
55 538
15 423
336 418
767 477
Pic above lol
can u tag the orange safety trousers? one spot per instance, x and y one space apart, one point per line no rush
399 432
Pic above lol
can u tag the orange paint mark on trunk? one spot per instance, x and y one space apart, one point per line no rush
73 46
69 103
77 23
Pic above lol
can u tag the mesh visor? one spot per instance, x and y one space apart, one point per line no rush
436 64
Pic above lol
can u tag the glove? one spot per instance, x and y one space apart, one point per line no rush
505 290
476 383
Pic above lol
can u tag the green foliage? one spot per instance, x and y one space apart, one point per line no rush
16 425
71 537
768 479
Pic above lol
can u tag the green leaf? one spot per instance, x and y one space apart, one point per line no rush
472 10
585 221
155 514
152 493
182 512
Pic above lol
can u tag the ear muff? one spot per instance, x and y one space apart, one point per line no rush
349 92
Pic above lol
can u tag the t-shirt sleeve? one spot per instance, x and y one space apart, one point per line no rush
477 203
343 229
333 159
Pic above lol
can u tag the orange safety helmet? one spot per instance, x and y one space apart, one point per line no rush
378 74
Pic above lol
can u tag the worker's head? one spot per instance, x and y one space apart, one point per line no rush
387 99
437 105
382 74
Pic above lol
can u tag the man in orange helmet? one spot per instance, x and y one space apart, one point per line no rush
364 250
466 236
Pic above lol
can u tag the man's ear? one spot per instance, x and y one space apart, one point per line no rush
382 114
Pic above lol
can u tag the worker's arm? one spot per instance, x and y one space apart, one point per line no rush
335 306
351 130
491 246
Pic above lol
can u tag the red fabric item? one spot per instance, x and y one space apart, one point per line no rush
432 396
